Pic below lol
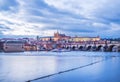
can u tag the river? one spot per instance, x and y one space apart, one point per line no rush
74 66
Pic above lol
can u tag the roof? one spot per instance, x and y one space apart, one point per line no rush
13 41
47 37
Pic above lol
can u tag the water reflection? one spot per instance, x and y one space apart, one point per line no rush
30 65
23 68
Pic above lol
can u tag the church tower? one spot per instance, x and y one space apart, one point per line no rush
56 34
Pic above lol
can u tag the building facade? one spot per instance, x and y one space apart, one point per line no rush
45 38
13 46
83 39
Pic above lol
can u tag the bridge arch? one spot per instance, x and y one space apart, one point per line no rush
119 48
106 48
94 48
89 48
115 48
111 47
73 48
81 48
67 47
99 48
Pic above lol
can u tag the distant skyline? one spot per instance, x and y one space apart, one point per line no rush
72 17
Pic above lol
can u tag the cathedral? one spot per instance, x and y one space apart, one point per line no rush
60 37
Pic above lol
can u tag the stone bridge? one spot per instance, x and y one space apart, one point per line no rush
111 47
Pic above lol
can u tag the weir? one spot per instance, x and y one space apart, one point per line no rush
68 70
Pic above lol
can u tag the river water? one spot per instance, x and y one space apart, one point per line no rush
74 66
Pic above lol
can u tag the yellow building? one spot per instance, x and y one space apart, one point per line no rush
79 39
45 38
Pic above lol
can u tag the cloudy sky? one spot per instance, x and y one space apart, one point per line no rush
73 17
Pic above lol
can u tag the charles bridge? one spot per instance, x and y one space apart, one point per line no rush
107 46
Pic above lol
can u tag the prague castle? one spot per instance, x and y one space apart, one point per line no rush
62 37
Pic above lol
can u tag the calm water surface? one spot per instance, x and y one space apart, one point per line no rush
24 66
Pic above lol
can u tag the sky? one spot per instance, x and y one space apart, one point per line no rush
72 17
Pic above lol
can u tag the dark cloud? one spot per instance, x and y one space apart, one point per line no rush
7 5
71 17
